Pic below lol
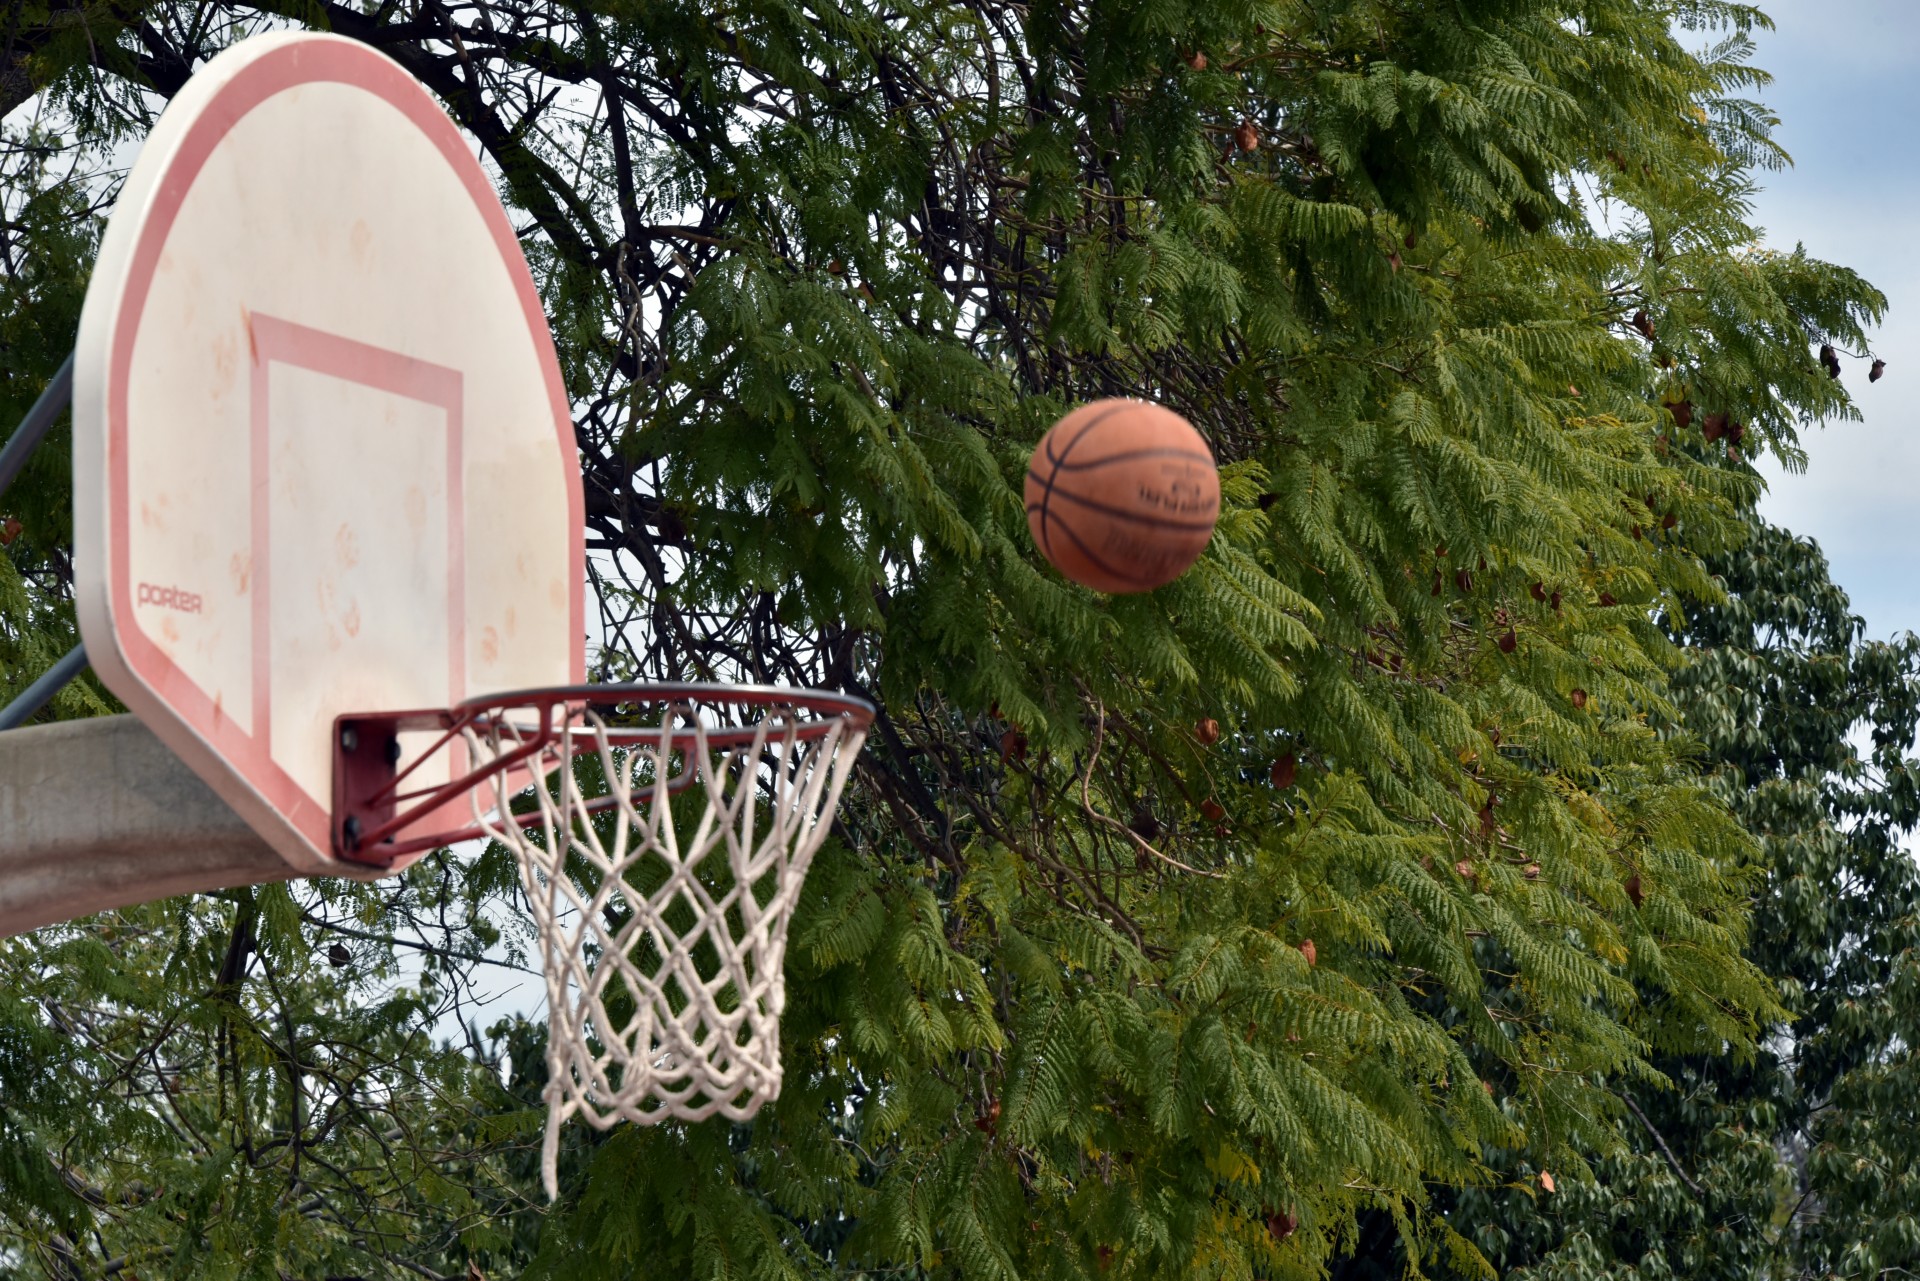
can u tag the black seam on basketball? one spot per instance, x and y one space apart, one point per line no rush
1137 518
1109 570
1086 427
1046 492
1046 497
1131 455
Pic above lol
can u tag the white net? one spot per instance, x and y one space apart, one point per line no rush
663 869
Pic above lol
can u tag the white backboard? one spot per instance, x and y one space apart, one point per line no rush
323 458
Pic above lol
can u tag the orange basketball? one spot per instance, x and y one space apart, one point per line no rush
1122 495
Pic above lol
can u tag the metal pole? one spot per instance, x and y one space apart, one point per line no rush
41 692
33 428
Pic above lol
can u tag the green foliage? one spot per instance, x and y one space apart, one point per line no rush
198 1089
1797 1162
1461 415
1080 988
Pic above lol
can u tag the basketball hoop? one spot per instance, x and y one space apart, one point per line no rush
662 833
396 386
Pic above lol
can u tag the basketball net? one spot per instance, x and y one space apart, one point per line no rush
661 893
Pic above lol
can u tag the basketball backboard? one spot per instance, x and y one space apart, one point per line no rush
323 457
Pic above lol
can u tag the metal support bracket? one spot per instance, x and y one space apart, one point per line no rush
41 692
54 398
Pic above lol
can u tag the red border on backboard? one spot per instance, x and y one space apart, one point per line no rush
306 62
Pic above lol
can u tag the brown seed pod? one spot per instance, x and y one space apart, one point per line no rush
1546 1182
1509 641
1465 869
1247 136
1463 580
1410 242
338 956
1554 601
1486 819
1531 871
1579 697
1830 359
1606 598
1488 1087
1682 411
1013 746
1715 426
1878 371
1104 1254
1634 891
1282 773
9 530
1437 580
1207 731
1643 324
1393 260
1213 810
1145 825
1538 591
1221 831
1281 1224
988 1122
1308 950
1197 61
1572 390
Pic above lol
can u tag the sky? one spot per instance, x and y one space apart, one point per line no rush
1847 91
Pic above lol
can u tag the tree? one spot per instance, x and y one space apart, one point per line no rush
1795 1161
1083 991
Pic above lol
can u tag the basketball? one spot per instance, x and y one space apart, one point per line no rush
1122 495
